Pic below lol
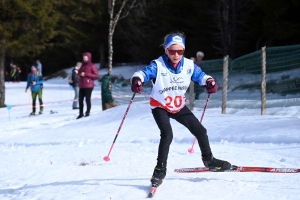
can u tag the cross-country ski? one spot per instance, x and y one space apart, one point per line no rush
240 169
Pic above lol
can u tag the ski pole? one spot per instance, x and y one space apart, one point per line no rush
191 150
106 158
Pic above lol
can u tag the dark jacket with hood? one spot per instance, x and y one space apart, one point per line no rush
90 70
75 78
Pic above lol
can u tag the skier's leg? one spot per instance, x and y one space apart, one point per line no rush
188 119
162 120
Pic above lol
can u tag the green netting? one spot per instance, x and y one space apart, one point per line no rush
247 63
244 81
277 59
213 66
105 91
283 58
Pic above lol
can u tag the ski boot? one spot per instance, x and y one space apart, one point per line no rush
215 164
80 116
158 176
41 110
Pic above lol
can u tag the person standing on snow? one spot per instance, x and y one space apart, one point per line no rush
74 82
87 73
35 82
39 67
13 72
171 75
199 62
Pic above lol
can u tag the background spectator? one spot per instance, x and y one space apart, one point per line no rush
74 82
39 67
13 72
88 72
198 61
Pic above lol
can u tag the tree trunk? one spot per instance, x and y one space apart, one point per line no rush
233 31
226 20
106 91
110 51
113 20
2 78
110 37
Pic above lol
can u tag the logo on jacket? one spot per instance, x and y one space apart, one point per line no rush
163 74
189 71
176 80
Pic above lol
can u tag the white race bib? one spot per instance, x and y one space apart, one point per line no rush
169 89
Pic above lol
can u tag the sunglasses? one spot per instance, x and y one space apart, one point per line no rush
173 52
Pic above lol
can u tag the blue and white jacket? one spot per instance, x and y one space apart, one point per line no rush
150 71
36 78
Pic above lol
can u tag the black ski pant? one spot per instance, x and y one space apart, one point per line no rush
187 119
87 93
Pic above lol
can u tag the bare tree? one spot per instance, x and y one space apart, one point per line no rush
25 29
123 8
113 20
2 69
227 19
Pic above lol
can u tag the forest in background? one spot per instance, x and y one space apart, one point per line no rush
58 31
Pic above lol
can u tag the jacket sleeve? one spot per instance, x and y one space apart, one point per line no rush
28 81
199 76
94 73
148 73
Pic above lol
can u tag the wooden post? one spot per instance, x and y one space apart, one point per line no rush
263 81
192 99
225 83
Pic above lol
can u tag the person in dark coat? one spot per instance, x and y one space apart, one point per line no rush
74 82
87 73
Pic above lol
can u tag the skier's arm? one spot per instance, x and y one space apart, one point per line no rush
199 76
28 82
148 73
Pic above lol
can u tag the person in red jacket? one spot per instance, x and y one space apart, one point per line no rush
87 73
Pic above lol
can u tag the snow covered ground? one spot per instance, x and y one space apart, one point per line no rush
55 156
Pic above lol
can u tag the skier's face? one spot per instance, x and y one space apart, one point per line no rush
175 53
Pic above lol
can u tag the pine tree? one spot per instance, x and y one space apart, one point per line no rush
25 30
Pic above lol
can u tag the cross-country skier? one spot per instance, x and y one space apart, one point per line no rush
171 75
